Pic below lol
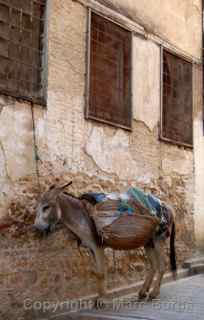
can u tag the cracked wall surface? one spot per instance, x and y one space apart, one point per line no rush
16 147
95 156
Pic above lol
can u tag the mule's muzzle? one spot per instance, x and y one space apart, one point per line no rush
44 229
41 226
48 230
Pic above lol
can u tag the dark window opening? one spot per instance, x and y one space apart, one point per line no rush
109 73
22 37
177 126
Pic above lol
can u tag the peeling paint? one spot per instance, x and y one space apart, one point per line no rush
4 163
146 82
111 154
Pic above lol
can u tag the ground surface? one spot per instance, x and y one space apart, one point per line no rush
180 300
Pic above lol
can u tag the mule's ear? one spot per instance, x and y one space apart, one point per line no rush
66 185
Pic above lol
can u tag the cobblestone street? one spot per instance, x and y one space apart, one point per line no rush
179 300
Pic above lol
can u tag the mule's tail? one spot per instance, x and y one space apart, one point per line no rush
173 251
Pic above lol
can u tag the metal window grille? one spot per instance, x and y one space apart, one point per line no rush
109 73
177 126
21 48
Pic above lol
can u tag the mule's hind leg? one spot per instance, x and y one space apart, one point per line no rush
150 270
160 261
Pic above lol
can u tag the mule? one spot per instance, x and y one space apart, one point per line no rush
57 206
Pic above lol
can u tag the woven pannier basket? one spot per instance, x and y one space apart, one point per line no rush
123 231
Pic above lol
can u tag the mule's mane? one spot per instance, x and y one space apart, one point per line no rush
84 196
70 195
79 203
74 199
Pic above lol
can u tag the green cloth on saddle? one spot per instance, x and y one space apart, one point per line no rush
142 198
155 207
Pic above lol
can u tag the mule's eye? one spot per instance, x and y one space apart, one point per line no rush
45 208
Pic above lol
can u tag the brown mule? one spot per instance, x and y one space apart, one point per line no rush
58 206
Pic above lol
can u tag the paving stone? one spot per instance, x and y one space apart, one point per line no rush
179 300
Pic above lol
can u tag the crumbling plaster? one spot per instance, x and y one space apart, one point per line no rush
146 82
65 138
16 146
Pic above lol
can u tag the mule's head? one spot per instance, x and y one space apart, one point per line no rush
48 211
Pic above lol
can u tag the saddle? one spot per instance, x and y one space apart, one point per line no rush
124 220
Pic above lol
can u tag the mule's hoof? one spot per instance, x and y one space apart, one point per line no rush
142 296
100 304
153 295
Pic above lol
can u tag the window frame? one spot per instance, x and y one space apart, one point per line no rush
88 72
161 136
41 100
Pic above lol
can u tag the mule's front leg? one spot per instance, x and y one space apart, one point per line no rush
100 275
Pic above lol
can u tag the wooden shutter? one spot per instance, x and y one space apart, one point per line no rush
177 100
21 48
109 73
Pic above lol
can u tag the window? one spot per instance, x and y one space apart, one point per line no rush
21 48
177 124
109 73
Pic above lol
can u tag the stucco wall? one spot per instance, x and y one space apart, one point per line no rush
198 156
178 21
16 147
63 136
58 142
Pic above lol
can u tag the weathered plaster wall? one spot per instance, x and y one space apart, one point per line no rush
199 154
146 82
97 157
16 147
178 21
